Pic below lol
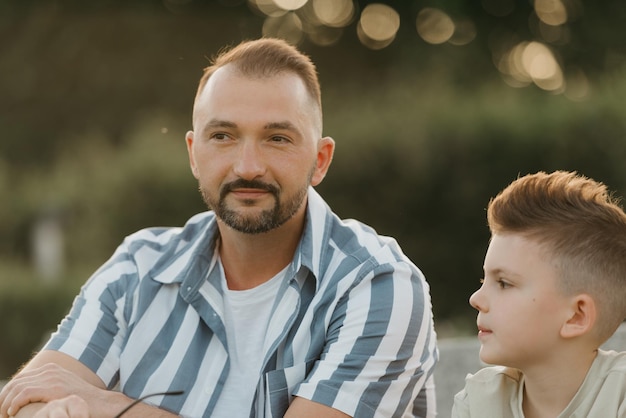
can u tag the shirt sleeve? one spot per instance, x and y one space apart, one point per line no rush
380 348
94 330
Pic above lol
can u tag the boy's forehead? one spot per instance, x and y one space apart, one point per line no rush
507 251
519 255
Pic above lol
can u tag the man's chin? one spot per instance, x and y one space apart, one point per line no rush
249 224
251 229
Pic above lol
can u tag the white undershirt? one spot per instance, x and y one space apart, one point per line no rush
246 317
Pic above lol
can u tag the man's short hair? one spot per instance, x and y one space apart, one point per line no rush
268 57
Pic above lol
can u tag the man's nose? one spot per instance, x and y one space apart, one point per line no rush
249 162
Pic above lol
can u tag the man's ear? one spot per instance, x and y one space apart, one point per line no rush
583 316
325 152
192 161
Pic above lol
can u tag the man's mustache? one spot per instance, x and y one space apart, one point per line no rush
248 184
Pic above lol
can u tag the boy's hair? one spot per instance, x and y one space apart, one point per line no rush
581 225
268 57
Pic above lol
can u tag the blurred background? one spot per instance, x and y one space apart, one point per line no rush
435 106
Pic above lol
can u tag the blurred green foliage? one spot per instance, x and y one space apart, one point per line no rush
94 108
424 171
29 312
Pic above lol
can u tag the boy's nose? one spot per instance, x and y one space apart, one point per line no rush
477 300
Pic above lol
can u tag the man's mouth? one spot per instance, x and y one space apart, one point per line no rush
248 189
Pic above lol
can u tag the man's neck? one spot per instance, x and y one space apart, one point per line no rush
252 259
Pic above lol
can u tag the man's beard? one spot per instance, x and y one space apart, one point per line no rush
266 220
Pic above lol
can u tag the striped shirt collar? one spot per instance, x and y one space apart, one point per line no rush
189 262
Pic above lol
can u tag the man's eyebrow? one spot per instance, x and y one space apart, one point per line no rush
219 123
285 125
225 124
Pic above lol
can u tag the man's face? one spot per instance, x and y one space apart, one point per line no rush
256 149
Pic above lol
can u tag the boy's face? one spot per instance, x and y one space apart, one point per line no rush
520 308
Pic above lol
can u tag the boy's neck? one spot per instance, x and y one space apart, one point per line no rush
548 390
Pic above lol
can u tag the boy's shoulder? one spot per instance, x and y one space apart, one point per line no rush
493 382
610 362
494 374
607 362
489 393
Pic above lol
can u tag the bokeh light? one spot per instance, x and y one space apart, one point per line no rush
542 67
464 32
434 25
521 59
266 8
321 21
290 4
532 62
334 13
378 25
288 27
325 36
551 12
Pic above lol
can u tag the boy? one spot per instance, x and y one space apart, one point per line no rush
554 290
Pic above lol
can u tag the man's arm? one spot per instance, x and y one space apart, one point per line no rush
380 349
40 381
304 408
52 375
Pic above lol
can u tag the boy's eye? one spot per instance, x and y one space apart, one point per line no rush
503 284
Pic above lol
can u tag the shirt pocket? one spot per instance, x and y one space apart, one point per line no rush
278 388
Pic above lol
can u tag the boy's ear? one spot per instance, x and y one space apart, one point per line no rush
582 318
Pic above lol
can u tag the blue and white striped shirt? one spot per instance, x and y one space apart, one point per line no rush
351 327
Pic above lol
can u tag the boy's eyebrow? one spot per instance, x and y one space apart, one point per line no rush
499 270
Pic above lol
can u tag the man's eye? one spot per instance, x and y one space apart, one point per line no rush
279 139
220 136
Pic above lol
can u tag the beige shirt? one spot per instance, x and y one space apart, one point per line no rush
496 392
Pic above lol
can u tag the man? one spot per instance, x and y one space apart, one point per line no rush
266 306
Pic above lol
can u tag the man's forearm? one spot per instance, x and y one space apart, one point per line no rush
29 410
138 410
115 403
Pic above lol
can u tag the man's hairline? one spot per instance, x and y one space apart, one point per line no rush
317 106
